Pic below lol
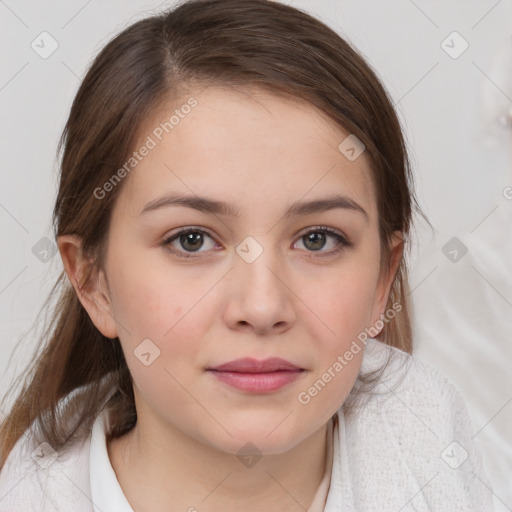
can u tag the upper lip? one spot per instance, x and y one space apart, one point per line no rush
250 365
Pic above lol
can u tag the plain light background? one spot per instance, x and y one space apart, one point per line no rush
454 112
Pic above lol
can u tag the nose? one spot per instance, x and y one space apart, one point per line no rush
260 298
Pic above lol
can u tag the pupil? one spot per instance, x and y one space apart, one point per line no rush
318 240
192 238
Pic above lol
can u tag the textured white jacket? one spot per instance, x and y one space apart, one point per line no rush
408 447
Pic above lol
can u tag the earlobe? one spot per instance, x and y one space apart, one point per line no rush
89 284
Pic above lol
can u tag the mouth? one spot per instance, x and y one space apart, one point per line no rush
256 376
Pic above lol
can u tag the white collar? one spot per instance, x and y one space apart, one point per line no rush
106 493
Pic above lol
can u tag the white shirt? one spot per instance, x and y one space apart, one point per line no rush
106 492
408 447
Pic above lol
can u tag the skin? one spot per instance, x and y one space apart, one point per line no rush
260 152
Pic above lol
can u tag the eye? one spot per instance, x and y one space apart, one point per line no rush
190 239
187 242
316 239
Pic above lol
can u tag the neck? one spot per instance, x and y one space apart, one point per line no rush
158 471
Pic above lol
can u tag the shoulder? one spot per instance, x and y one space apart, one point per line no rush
36 476
402 375
415 422
414 395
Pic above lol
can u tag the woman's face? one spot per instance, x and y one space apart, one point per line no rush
253 179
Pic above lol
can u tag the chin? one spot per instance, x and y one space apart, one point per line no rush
258 439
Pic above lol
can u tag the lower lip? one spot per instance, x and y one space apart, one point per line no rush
257 382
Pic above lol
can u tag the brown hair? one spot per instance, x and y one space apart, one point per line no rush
260 43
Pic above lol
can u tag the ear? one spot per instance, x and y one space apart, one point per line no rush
386 279
92 291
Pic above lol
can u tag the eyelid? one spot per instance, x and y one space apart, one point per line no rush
343 241
326 229
183 230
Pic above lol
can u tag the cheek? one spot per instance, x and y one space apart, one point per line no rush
151 299
344 307
344 303
168 306
169 314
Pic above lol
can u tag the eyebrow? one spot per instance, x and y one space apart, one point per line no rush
208 205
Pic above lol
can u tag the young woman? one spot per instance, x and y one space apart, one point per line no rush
234 332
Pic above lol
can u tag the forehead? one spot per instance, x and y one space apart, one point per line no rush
246 146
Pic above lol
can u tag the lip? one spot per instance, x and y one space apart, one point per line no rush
256 376
250 365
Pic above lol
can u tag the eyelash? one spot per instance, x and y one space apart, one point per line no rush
343 242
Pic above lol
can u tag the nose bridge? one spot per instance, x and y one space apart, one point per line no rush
258 263
260 296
